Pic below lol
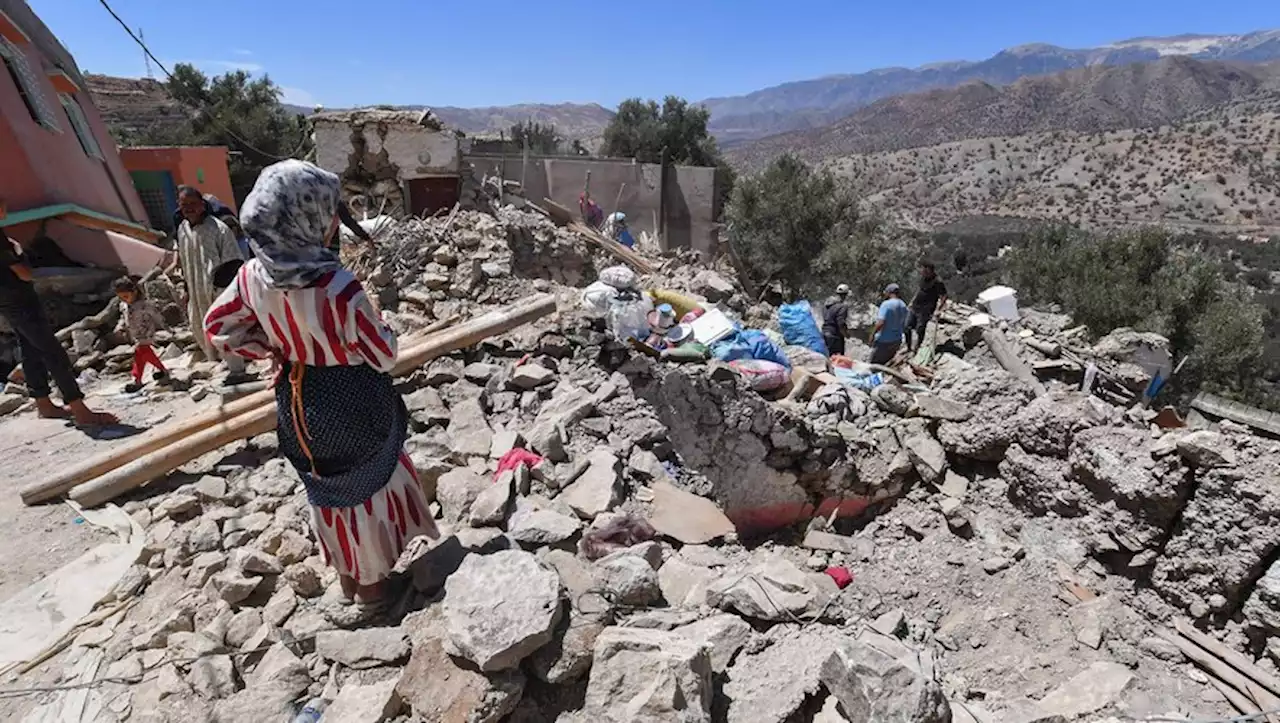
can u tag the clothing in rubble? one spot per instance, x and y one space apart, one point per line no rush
341 423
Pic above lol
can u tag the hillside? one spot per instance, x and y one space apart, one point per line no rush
1220 173
814 103
131 105
1086 100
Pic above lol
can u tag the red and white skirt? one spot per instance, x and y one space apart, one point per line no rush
365 541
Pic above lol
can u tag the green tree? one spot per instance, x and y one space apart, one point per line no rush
234 110
804 228
538 138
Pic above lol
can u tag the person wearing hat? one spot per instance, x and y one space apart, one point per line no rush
891 322
835 319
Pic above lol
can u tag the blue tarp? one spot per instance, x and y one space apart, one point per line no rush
749 344
799 328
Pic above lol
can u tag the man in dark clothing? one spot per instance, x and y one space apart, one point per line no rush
344 215
835 320
930 298
42 353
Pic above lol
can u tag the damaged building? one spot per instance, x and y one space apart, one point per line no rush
407 162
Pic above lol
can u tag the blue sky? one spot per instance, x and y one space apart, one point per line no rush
499 52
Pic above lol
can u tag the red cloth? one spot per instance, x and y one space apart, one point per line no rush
515 458
143 355
841 575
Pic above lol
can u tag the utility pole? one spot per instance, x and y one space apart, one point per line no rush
145 57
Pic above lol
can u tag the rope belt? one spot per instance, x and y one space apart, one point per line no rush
299 413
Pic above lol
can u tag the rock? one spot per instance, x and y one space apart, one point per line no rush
479 372
568 656
819 540
438 688
1094 688
456 490
256 562
954 485
504 441
570 404
293 548
531 376
993 565
366 648
469 433
365 703
213 676
648 676
893 399
242 626
490 506
280 606
233 587
9 403
542 527
770 685
444 370
628 579
714 286
932 406
210 488
891 623
723 635
280 668
928 457
431 562
1206 450
304 580
683 584
872 686
500 608
598 489
203 567
275 478
686 517
772 590
177 505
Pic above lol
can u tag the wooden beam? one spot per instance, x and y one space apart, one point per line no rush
1231 657
142 469
83 217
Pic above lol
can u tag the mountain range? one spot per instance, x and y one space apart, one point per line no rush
810 104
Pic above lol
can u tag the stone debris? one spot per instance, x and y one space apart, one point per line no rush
678 552
500 608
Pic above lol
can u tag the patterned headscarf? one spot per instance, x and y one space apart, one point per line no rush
286 216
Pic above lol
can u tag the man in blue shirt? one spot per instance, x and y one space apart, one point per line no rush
891 322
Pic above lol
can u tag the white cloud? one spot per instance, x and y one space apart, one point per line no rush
298 96
241 51
233 65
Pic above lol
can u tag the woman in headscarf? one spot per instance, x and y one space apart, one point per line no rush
341 423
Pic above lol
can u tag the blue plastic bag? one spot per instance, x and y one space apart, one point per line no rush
799 328
763 348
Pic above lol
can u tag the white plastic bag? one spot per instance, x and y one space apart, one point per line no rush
598 297
619 277
628 318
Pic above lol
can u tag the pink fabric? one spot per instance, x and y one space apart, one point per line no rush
841 575
515 458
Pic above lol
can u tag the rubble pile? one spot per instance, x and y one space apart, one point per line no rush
629 539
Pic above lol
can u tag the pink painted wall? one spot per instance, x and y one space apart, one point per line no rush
187 164
43 167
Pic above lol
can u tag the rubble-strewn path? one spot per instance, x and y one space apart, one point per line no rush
1012 558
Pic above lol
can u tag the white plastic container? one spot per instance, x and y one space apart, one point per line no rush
1001 302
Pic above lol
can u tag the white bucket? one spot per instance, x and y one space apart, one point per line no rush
1001 301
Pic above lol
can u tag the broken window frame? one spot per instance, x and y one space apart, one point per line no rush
80 125
28 86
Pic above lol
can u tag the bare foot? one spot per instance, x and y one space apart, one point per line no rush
370 594
48 410
86 417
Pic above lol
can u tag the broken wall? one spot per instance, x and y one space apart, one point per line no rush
622 185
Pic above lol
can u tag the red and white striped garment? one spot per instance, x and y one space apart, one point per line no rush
330 323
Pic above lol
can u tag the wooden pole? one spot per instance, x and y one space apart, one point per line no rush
1010 361
1231 657
117 456
1224 672
262 419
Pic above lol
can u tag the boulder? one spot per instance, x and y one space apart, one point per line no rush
723 635
873 686
531 376
684 516
568 656
280 668
773 590
683 584
1051 421
490 506
500 608
714 287
928 457
771 685
365 648
1205 450
456 490
1093 689
648 676
469 432
371 703
213 676
439 688
932 406
599 488
542 527
628 579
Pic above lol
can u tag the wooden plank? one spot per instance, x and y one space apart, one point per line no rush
565 217
83 217
1235 659
1222 670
